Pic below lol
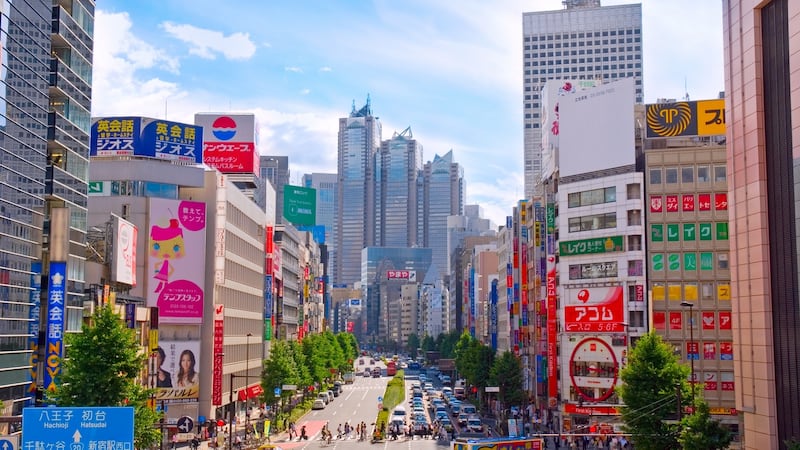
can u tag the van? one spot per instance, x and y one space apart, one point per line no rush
459 393
468 409
398 413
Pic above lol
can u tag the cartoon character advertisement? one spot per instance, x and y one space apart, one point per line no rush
176 260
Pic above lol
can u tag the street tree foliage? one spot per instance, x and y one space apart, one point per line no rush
105 368
506 373
278 370
428 344
655 387
299 358
412 344
474 360
324 352
446 344
700 432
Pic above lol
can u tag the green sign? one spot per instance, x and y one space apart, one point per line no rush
705 231
95 187
657 232
268 329
689 231
589 246
550 212
658 261
672 232
674 261
722 231
706 261
300 205
690 261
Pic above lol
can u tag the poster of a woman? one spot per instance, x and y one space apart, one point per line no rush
181 363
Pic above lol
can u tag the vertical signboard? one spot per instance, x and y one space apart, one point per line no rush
229 142
493 315
33 330
219 333
55 324
552 329
123 258
177 260
268 306
300 205
179 377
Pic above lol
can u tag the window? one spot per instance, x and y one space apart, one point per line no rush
703 175
720 174
687 174
594 222
635 268
634 217
671 175
634 191
593 197
655 176
722 261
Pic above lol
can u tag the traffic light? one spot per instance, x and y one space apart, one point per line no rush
474 389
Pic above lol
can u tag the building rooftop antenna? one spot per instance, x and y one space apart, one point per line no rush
685 90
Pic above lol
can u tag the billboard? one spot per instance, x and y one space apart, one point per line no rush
229 142
176 259
142 136
552 93
597 128
54 352
409 275
177 364
594 310
593 368
698 118
300 205
123 253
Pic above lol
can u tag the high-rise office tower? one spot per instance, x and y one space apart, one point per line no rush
584 41
44 134
443 196
397 169
761 41
275 170
359 140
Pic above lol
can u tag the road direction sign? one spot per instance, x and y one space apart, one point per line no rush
380 399
289 387
9 443
185 424
492 389
277 392
81 428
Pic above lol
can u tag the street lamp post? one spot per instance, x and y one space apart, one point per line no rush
690 305
247 385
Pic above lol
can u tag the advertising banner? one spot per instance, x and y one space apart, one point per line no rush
176 260
219 341
594 310
33 330
54 352
115 136
177 370
142 136
123 258
229 142
590 246
409 275
300 205
697 118
594 369
552 330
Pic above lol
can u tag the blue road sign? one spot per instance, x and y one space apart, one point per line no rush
78 428
5 444
277 391
185 424
380 399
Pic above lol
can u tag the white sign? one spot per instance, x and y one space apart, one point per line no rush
126 235
492 389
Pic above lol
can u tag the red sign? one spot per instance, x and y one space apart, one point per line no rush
727 385
231 157
726 351
593 370
552 329
219 333
688 202
709 321
350 325
724 320
704 202
709 351
672 203
639 292
252 391
721 201
675 321
605 316
659 320
693 350
571 408
656 203
398 274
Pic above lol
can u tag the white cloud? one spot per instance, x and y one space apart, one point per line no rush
207 43
119 58
294 69
325 69
305 91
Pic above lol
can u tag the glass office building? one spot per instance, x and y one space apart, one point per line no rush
444 194
398 166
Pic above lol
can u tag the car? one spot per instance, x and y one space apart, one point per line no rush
474 424
318 404
331 396
368 372
324 397
470 409
441 415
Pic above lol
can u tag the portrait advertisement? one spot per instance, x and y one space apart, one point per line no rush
176 364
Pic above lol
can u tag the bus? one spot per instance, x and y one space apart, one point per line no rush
391 368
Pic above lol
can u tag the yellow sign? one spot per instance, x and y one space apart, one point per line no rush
724 292
699 118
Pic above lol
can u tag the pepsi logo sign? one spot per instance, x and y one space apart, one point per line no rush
223 128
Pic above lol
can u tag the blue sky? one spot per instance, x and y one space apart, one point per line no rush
451 70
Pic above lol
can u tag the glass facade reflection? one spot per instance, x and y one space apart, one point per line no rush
397 169
443 196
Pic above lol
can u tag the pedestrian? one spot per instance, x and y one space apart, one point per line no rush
174 441
292 430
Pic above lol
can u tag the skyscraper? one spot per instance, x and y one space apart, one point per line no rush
443 196
585 41
359 140
397 169
761 41
44 135
275 170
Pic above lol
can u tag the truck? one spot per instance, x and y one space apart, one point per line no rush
349 377
507 443
391 368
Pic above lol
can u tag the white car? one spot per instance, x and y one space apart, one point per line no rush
318 404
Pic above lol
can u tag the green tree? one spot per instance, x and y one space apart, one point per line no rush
299 358
103 369
412 344
506 373
278 370
446 343
653 383
428 344
700 432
